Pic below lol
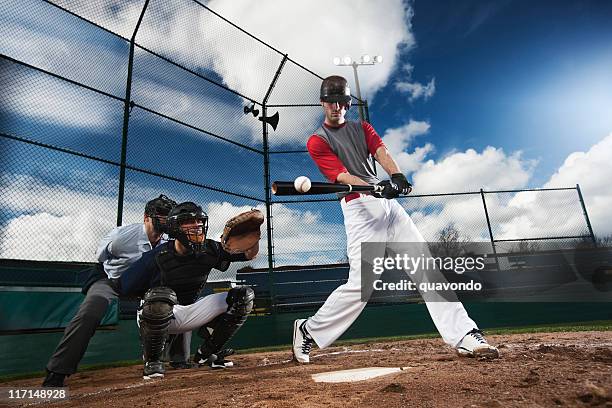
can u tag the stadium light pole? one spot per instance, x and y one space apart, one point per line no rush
347 61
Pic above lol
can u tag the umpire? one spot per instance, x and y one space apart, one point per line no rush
117 251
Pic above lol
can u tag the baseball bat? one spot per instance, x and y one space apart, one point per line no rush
284 188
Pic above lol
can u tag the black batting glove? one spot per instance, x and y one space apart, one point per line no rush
402 184
389 191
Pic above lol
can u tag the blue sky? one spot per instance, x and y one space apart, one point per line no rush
530 76
471 94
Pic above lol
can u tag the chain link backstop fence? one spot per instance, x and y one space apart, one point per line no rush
105 105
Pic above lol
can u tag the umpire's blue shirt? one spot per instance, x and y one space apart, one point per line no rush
145 274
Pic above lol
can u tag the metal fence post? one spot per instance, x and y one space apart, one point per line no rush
268 192
126 120
484 204
367 119
586 215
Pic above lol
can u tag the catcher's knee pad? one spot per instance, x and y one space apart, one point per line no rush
240 300
155 319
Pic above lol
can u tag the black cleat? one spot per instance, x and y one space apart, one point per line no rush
152 370
54 379
214 361
181 365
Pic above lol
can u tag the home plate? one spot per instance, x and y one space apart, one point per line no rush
356 374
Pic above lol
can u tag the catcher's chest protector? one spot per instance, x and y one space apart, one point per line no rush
186 275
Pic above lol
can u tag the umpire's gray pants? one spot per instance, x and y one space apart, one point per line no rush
81 328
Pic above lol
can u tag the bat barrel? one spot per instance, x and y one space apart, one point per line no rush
283 188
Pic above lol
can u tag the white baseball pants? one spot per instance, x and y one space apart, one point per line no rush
370 219
195 315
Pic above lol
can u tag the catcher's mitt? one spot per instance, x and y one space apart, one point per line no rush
241 233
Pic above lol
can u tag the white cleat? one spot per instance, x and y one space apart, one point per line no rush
302 342
474 344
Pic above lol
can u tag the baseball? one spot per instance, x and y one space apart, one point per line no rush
302 184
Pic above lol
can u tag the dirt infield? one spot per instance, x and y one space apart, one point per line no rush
548 370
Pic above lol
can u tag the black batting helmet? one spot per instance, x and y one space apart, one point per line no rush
193 238
159 207
336 89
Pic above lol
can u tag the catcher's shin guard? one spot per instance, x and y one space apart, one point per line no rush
155 320
221 329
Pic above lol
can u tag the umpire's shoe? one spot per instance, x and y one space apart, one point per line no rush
153 369
181 365
302 342
54 379
474 344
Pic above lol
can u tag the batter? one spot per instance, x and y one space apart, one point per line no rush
341 150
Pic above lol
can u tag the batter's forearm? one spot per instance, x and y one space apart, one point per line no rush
387 162
346 178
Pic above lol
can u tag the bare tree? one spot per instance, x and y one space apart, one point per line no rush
449 242
605 241
525 246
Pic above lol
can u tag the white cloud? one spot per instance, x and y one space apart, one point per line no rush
313 32
415 89
399 139
591 170
470 170
58 223
432 214
117 16
48 229
300 237
196 108
302 30
55 222
48 38
298 29
196 38
54 45
513 215
43 98
46 237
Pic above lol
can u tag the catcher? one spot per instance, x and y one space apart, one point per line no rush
170 278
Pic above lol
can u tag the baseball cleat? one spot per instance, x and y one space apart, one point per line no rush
221 357
54 379
302 342
214 361
152 370
181 365
474 344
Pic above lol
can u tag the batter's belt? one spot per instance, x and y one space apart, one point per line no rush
352 196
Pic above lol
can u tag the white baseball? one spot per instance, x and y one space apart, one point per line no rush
302 184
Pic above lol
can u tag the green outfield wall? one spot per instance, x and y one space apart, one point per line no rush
22 353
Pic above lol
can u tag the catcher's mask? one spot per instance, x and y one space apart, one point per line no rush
188 223
336 89
158 209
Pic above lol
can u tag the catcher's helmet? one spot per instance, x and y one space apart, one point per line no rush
159 207
336 89
193 238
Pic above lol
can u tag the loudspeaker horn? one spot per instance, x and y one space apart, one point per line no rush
252 110
270 120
